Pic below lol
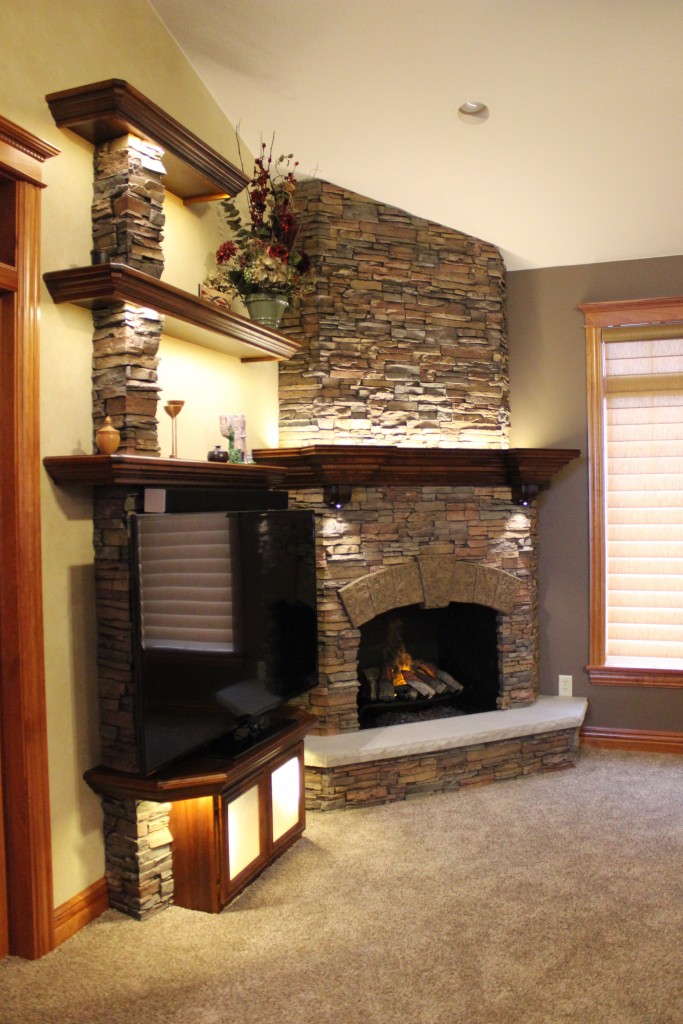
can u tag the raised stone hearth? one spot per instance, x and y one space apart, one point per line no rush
383 765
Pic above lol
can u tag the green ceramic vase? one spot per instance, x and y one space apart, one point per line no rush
266 309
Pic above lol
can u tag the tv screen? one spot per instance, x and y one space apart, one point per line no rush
225 624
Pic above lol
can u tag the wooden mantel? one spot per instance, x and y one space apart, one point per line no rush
382 465
325 465
150 471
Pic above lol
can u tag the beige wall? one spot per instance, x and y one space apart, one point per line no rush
548 409
48 47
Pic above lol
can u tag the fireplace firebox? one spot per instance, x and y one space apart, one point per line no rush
419 663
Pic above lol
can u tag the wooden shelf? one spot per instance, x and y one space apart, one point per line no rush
149 471
187 316
386 465
200 775
107 110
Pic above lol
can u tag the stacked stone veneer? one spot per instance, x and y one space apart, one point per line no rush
128 221
124 376
395 546
138 859
116 682
381 782
138 843
404 336
128 204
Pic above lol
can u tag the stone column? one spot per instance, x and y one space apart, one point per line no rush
138 855
128 220
128 205
116 679
124 376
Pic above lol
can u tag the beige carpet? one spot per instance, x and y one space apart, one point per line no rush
537 901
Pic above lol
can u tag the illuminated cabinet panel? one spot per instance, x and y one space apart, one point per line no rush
243 831
285 783
260 820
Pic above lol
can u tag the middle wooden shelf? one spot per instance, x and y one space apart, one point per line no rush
188 317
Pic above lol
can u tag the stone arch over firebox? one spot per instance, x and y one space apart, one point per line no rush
432 581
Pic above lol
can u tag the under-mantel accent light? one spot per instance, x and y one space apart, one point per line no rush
337 495
524 494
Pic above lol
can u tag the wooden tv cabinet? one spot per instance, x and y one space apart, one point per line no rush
229 819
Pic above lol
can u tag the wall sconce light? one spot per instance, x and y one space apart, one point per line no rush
337 495
524 494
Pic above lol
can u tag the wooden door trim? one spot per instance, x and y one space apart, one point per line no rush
22 676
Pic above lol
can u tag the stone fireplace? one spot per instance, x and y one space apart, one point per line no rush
393 547
405 549
443 619
396 410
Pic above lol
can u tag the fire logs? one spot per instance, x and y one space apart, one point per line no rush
403 677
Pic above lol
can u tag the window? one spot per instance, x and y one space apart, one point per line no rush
635 406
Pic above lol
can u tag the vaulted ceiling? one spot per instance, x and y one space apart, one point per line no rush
580 159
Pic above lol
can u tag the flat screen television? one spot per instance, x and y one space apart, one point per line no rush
225 626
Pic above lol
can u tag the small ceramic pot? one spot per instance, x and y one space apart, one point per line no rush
218 455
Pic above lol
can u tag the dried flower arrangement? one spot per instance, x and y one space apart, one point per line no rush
262 256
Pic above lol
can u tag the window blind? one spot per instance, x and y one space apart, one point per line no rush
643 397
186 596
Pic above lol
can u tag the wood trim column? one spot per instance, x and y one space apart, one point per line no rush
596 495
23 720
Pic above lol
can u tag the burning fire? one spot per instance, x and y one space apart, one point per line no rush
400 667
403 676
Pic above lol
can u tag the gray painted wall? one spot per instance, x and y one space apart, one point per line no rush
548 410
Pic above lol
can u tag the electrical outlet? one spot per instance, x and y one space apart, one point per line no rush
564 686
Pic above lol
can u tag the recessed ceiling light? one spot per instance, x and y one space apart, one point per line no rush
473 107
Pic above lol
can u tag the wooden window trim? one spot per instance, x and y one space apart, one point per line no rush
599 316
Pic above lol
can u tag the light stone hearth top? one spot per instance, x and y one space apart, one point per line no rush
548 714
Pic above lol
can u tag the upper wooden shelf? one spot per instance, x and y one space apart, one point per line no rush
187 316
107 110
150 471
371 465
